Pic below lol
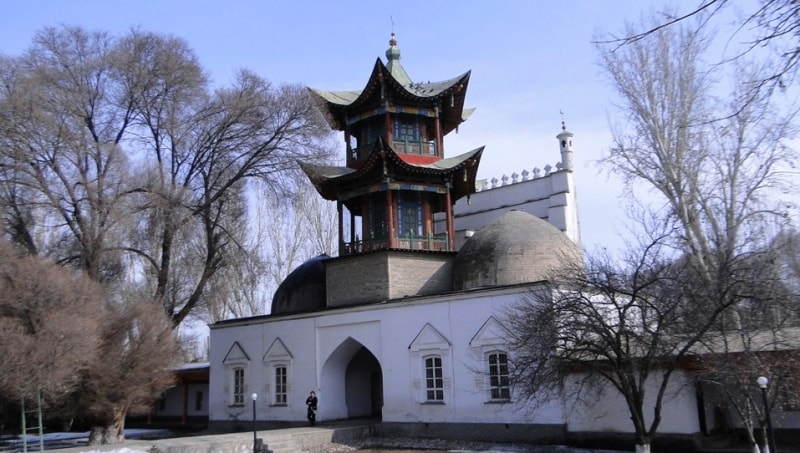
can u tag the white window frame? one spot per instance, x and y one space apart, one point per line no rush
280 393
498 390
278 356
237 386
236 359
430 342
491 338
434 385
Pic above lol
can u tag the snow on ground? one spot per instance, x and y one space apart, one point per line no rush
54 441
121 450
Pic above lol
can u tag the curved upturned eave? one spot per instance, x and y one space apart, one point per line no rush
339 103
327 179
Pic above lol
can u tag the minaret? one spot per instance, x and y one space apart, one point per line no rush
565 141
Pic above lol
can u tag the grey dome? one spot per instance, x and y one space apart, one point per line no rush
303 289
515 248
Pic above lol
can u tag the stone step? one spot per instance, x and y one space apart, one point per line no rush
280 444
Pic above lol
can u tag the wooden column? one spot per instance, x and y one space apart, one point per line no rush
349 150
438 131
427 214
449 216
185 414
353 229
365 224
390 216
388 126
341 226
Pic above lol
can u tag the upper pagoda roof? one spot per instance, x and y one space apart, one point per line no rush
391 81
329 179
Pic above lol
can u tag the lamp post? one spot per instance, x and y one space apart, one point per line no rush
255 441
762 384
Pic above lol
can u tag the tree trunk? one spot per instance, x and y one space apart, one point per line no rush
116 432
109 434
96 435
643 448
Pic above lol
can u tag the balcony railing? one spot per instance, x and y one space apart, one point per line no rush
437 242
423 147
415 147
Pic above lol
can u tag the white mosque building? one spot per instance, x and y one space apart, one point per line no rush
404 326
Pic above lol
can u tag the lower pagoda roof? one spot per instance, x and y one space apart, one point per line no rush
330 181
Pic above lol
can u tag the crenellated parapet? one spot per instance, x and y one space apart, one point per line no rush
515 178
547 192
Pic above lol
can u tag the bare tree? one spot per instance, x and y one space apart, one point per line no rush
119 158
758 338
774 24
61 151
709 192
138 355
718 183
605 326
50 324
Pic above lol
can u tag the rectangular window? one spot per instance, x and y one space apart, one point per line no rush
434 383
280 385
198 401
406 128
498 376
238 386
378 225
409 214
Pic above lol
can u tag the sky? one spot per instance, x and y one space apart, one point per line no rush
533 64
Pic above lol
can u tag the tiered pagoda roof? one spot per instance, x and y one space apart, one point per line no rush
391 81
328 180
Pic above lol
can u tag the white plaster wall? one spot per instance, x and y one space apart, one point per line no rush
387 330
550 197
714 399
607 412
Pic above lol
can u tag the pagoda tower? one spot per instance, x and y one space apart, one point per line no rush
396 176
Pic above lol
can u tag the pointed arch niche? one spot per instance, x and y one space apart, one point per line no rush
491 350
352 381
278 365
236 364
432 366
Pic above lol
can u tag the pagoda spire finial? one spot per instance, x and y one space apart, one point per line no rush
393 62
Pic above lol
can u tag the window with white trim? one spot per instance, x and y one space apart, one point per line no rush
280 396
235 363
498 376
434 380
238 386
431 366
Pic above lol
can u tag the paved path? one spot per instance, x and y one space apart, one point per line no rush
288 440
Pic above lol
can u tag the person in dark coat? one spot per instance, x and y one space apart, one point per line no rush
311 402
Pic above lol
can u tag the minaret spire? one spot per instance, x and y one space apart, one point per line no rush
565 141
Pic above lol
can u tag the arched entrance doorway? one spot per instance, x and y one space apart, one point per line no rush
352 383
